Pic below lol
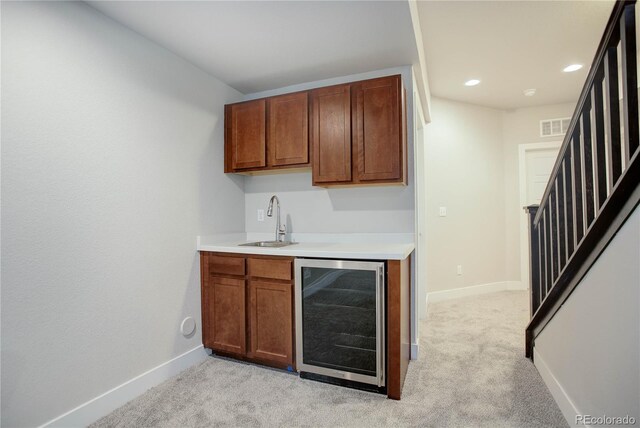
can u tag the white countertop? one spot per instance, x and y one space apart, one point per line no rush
350 246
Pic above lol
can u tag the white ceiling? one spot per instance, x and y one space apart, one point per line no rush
510 46
259 45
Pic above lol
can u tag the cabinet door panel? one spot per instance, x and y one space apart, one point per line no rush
331 134
270 318
288 139
378 143
227 314
245 134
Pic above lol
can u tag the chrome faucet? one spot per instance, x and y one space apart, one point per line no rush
281 230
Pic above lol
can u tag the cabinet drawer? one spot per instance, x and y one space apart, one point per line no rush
226 265
270 268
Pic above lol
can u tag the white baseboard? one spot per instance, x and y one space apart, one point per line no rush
414 351
568 409
516 285
456 293
104 404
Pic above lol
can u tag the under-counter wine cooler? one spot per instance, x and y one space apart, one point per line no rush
340 320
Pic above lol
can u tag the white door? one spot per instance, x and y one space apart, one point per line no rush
536 165
539 164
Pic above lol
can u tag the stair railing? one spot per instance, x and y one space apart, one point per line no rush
594 185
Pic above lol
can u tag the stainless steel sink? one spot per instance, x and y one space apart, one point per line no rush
268 244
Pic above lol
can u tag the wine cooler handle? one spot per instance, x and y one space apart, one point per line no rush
380 323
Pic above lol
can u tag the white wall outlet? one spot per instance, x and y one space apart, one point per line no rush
443 211
260 215
459 269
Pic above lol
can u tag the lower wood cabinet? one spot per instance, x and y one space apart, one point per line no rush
248 311
247 307
226 303
271 321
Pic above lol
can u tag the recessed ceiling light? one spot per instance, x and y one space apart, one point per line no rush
572 67
472 82
529 92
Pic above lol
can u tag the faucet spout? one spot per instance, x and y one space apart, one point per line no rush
281 229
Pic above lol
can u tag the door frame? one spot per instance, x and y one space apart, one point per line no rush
523 149
419 289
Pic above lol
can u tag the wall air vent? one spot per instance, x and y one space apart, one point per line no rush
554 127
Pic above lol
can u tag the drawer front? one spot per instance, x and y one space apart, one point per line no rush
270 268
226 265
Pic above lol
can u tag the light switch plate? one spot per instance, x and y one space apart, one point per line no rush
459 269
260 215
443 211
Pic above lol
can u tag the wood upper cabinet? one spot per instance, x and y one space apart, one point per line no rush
354 133
358 133
378 129
288 136
245 135
271 321
226 311
265 134
331 134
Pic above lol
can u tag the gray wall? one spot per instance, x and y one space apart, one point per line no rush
111 165
319 210
464 174
472 170
592 345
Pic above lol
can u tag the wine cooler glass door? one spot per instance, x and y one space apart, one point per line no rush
340 314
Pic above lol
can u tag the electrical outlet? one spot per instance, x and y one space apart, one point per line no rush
459 269
443 211
260 215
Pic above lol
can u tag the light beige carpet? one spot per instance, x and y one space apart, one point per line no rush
471 373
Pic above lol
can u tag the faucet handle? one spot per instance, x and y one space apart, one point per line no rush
282 232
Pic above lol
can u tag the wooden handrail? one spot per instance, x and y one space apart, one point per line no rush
595 182
585 96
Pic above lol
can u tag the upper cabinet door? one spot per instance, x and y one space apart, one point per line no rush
245 131
378 140
331 134
288 137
